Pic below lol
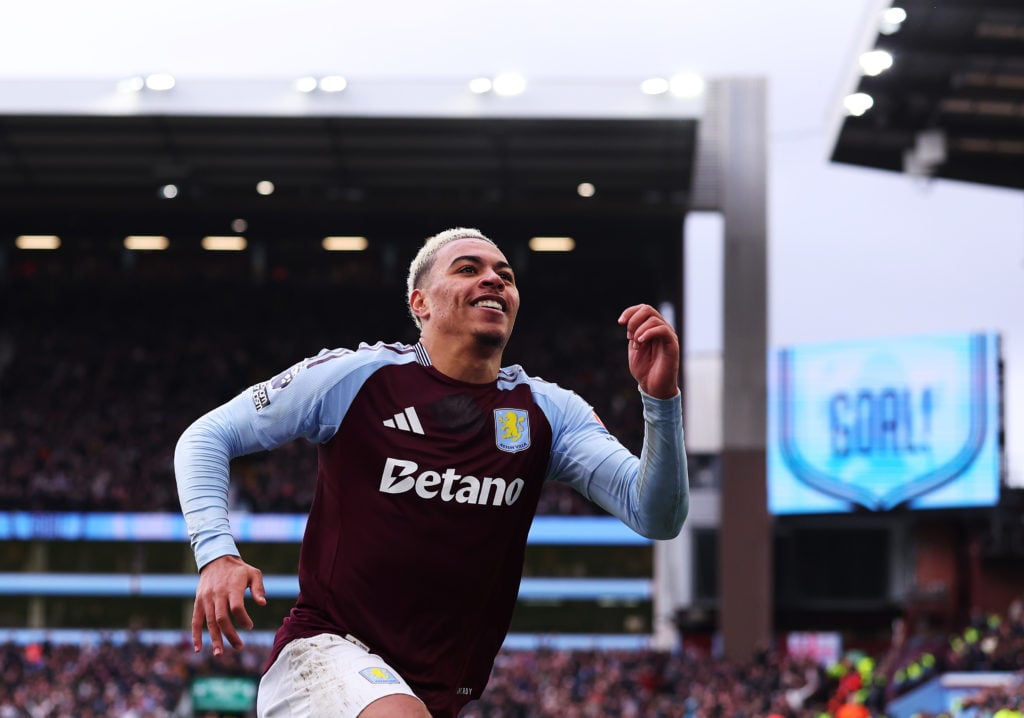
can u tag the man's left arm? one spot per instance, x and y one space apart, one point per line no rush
650 494
662 484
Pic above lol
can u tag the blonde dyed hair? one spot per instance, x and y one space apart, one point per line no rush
424 259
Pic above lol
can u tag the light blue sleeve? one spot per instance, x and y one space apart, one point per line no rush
201 460
649 493
308 400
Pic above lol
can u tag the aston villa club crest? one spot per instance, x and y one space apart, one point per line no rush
378 675
512 429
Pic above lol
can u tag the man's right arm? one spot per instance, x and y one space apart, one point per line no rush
262 417
201 468
308 400
201 464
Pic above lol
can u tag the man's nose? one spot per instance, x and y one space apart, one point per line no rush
493 279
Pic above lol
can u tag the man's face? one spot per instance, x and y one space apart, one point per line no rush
469 290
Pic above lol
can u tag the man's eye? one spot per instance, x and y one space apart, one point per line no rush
468 269
507 277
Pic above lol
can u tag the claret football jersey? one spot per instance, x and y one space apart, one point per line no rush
425 492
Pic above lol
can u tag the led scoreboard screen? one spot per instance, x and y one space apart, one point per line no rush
876 425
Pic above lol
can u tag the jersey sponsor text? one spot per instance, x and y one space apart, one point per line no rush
400 476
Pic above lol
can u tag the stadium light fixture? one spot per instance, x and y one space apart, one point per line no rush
224 244
892 20
37 241
875 62
654 86
160 82
686 84
146 243
481 85
585 189
327 83
169 191
345 244
131 85
894 14
858 103
305 84
552 244
265 188
333 83
509 84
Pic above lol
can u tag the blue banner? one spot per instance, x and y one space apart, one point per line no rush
271 528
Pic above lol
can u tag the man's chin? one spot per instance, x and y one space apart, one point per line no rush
490 340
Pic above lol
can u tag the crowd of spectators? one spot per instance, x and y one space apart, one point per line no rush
97 384
103 680
137 680
996 702
631 684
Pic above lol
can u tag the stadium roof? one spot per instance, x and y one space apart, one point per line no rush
952 103
52 166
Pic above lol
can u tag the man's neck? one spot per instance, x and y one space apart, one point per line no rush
465 359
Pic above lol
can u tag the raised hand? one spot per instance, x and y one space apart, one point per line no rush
653 351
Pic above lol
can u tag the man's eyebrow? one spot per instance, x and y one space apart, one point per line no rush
477 260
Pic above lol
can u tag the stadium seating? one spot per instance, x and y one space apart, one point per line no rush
127 371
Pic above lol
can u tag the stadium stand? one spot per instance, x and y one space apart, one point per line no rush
140 679
127 370
119 674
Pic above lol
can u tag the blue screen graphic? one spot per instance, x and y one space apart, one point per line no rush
878 425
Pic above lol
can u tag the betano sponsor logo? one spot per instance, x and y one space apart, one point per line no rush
400 476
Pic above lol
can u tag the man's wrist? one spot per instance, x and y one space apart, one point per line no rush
660 394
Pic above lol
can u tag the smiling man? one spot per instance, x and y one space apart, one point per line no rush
431 461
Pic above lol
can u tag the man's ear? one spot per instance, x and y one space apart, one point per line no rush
418 304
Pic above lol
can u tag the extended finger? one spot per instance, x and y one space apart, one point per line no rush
197 626
226 627
216 638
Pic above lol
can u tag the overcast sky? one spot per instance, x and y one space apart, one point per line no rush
853 253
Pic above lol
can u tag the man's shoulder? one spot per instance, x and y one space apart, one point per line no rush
514 375
365 353
311 378
336 367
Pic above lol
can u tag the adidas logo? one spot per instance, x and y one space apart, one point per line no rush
405 420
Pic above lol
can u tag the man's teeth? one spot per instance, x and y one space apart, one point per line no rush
489 303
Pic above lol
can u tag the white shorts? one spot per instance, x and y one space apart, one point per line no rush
325 676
